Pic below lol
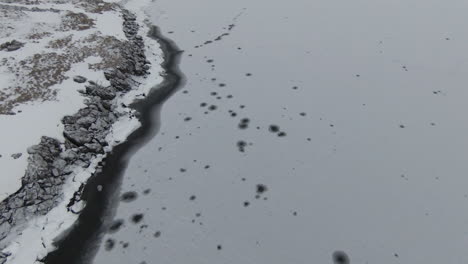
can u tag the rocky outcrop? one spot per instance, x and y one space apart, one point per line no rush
11 45
51 162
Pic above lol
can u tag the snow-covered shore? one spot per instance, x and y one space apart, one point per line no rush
30 241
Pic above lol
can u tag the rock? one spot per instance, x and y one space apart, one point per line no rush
79 79
11 46
16 155
78 137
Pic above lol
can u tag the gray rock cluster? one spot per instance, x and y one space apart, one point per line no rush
11 45
50 162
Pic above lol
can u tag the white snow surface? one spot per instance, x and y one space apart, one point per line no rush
43 118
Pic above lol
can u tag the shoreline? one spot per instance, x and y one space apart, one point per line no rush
79 244
26 221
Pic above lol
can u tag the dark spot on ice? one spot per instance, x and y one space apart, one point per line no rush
185 92
281 134
243 125
213 93
136 218
241 106
248 74
193 197
116 225
229 96
221 84
147 191
129 197
233 114
203 104
209 61
170 32
109 244
219 247
261 188
207 167
303 114
212 107
125 245
295 213
402 126
187 119
157 234
246 203
340 257
295 87
273 128
241 145
182 170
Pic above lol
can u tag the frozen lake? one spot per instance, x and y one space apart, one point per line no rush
370 102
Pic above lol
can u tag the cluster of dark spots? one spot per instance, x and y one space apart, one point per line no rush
187 119
404 67
241 145
222 85
281 134
203 104
274 128
232 113
129 197
193 197
212 107
246 203
136 218
147 191
109 244
437 92
116 225
157 234
261 188
340 257
244 123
